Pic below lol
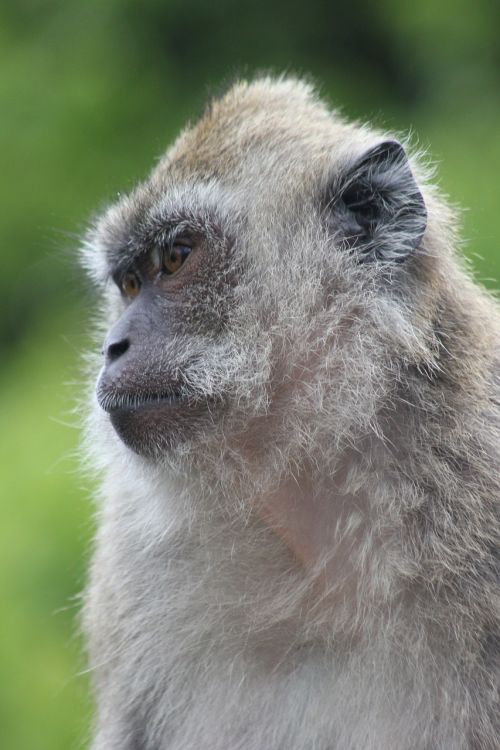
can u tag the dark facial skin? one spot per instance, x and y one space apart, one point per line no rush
166 290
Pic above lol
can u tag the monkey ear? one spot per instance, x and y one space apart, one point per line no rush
378 206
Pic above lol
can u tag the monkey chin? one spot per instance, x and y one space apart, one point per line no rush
155 428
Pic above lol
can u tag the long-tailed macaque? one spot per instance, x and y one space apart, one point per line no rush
297 424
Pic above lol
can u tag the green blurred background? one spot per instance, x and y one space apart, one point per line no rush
90 94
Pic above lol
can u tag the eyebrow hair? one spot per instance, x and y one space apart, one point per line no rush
120 259
139 235
130 227
162 231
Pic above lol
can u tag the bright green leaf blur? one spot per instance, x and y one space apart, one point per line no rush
90 94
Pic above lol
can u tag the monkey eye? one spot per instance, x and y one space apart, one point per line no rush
130 285
174 257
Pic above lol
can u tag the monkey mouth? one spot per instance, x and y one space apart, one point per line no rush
146 421
153 423
112 402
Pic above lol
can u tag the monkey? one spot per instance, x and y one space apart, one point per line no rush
296 427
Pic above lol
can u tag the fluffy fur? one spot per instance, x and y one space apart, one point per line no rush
378 382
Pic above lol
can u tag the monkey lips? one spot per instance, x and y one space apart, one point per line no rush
150 424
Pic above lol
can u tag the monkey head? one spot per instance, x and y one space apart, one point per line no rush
251 280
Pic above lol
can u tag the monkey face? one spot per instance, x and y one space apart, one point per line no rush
233 273
162 382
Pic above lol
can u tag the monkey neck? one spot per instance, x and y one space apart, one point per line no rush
327 524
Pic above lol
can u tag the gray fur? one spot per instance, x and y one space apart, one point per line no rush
375 385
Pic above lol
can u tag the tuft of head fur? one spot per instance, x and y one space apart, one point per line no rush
379 382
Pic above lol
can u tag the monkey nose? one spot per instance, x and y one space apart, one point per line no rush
114 349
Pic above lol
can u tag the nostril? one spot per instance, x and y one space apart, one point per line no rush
116 349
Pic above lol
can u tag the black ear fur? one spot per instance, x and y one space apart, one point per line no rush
378 207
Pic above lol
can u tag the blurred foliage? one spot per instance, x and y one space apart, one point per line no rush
90 94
